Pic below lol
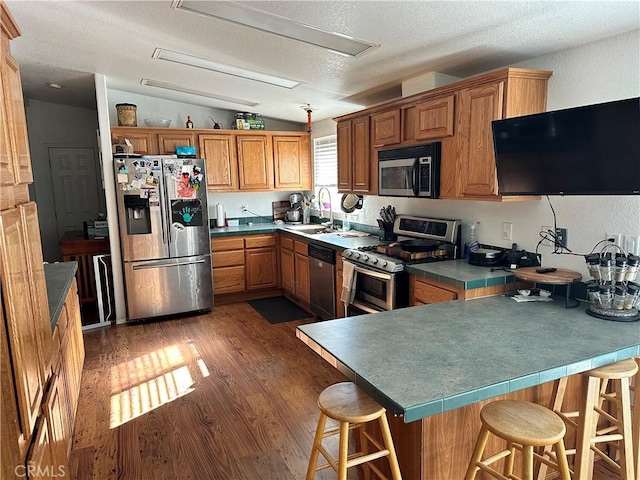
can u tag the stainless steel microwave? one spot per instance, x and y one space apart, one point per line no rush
410 171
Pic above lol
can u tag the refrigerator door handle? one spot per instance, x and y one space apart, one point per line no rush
166 211
166 265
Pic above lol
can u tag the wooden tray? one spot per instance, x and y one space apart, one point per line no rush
560 276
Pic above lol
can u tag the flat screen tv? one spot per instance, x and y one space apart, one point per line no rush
591 150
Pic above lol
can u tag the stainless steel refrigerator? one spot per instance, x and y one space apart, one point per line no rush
164 235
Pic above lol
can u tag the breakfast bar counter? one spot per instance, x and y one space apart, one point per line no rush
434 366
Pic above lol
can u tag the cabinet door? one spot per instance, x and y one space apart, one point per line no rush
219 152
22 334
6 157
41 317
434 118
40 460
345 170
255 160
292 162
167 142
479 106
302 278
262 268
228 279
17 126
361 155
385 128
54 413
76 339
144 143
287 259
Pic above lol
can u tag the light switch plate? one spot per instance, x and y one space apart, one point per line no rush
631 244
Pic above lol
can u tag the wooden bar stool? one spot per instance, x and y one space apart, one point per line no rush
347 404
595 386
524 426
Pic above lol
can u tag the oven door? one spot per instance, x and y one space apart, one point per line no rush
374 291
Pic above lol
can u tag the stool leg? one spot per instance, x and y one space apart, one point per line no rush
388 443
563 464
527 462
364 448
508 464
476 457
626 452
317 440
343 452
586 428
559 389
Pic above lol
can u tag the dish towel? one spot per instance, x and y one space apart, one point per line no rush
348 283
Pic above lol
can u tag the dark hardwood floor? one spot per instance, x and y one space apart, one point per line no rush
221 396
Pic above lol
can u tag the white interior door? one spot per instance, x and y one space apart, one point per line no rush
75 186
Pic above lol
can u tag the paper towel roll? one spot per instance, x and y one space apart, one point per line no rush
219 215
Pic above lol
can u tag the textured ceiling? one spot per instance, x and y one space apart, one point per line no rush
66 42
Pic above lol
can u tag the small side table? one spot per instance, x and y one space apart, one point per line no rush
560 277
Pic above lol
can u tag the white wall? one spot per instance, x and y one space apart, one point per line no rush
54 125
594 73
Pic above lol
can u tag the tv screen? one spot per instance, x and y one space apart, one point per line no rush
591 150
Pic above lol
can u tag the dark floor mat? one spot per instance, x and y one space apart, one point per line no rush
279 309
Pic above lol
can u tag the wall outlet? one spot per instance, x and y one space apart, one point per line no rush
561 236
631 244
617 238
507 230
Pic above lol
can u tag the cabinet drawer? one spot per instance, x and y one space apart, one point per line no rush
228 280
301 248
231 243
227 259
423 292
255 241
286 243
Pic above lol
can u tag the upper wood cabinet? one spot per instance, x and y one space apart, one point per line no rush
434 118
292 162
219 152
144 142
355 172
514 93
385 128
167 142
255 162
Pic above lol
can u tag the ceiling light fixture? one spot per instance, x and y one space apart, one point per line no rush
271 23
179 88
308 108
185 59
55 85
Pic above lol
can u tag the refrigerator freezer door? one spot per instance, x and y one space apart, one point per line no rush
140 190
167 287
186 207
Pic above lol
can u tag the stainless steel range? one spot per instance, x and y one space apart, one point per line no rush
379 281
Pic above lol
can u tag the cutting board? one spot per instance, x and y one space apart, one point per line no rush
279 209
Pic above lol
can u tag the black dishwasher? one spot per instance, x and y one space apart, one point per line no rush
322 280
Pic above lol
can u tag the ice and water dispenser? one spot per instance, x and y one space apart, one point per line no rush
138 215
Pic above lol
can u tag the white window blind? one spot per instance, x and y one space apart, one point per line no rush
325 161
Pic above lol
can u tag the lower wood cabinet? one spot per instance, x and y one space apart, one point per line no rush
244 264
294 266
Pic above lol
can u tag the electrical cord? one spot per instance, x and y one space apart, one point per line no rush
245 209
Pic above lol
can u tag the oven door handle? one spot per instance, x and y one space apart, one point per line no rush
364 308
372 273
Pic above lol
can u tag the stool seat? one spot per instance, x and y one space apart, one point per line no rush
622 369
523 422
345 402
524 426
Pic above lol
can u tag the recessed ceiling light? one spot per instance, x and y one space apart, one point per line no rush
271 23
55 85
186 59
179 88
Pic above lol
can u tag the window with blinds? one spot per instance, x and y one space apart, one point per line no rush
325 161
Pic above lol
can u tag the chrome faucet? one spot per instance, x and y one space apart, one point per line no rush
330 204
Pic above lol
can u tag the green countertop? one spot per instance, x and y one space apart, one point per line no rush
58 277
460 274
421 361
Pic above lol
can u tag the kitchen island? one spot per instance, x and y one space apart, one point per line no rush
433 367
